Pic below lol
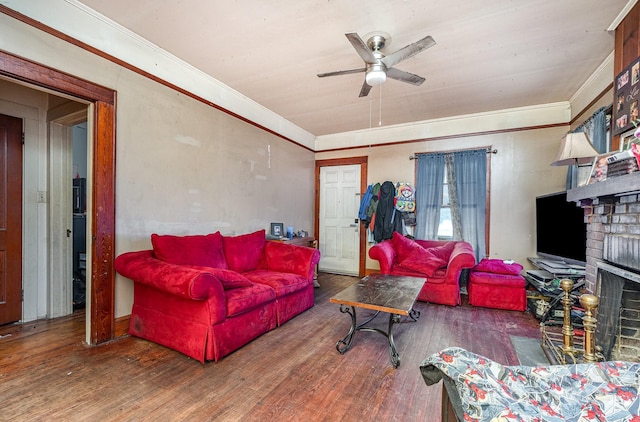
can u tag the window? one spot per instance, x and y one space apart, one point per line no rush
451 192
445 226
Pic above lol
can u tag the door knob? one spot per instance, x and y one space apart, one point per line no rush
68 233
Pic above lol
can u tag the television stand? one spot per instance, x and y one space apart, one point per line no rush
557 267
545 299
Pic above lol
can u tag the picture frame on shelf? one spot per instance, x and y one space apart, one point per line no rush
599 168
277 229
626 140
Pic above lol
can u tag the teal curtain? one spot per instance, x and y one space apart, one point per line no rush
429 185
471 183
596 129
467 171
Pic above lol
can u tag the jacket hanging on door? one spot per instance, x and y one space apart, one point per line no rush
369 205
385 222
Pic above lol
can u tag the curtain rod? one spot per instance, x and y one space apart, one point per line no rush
489 151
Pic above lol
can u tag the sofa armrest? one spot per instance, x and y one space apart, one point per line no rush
461 257
178 280
385 254
294 259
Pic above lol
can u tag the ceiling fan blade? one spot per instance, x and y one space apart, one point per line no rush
361 48
364 91
401 75
408 51
342 72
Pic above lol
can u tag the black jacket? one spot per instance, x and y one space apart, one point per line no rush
385 221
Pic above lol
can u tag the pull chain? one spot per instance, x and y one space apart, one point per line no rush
380 108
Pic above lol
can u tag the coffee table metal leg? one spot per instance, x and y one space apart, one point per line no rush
414 315
395 357
343 345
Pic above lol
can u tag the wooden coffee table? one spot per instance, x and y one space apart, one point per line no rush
381 293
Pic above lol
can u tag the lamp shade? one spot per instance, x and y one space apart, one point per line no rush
576 149
375 77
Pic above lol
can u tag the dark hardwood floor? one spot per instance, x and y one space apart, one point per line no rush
292 373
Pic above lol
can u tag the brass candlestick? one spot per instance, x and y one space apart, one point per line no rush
567 328
590 303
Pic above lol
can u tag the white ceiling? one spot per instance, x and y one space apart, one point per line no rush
490 54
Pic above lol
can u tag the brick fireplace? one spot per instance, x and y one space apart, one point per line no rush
612 213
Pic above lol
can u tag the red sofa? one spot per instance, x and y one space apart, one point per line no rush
208 295
439 262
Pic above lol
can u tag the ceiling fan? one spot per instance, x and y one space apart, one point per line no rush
378 66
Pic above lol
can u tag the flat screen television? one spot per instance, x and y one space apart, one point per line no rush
561 232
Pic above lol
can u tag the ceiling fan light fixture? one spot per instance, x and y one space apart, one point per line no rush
376 77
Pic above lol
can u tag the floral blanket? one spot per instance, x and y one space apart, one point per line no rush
484 390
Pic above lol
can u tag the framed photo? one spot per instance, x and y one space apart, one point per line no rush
626 109
626 139
599 168
277 229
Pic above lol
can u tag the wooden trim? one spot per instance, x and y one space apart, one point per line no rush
103 227
595 100
626 50
25 70
53 32
453 136
103 212
363 161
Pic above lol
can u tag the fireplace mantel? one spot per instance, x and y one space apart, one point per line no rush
629 183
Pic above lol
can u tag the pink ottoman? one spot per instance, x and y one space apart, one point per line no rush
497 291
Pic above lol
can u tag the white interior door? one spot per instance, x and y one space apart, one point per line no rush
339 231
60 221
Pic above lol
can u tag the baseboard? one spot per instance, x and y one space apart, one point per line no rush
121 326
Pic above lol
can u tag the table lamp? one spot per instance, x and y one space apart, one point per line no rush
575 149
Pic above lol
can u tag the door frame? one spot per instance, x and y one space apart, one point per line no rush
101 304
61 121
363 162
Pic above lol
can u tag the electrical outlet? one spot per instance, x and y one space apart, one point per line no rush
42 197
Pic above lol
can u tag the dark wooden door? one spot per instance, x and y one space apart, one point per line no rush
10 219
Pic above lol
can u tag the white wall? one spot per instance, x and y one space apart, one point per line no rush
519 172
182 167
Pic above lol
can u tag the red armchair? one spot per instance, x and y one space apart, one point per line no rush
439 262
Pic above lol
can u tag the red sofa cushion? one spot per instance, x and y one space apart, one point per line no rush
198 250
244 252
423 261
245 299
498 266
403 246
443 252
228 278
282 283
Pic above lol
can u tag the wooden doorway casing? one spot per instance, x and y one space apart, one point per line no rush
363 162
102 229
